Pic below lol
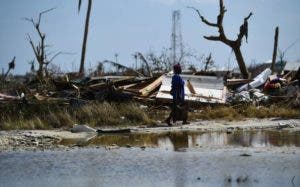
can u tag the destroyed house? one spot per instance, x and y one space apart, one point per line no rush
291 66
208 89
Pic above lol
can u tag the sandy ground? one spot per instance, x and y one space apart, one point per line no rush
49 139
32 140
222 125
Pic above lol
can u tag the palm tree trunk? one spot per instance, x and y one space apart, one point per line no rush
86 30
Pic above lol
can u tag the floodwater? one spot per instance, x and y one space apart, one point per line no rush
271 158
181 141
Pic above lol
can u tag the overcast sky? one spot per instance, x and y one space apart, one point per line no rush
127 26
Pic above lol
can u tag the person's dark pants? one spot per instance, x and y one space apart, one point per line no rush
179 111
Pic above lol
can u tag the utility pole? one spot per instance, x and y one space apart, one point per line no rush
176 38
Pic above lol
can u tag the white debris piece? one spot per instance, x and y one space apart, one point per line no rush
257 81
82 128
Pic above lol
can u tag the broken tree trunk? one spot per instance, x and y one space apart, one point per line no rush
208 62
11 65
141 56
39 49
239 58
275 49
234 44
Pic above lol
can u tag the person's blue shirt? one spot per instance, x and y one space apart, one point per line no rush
177 88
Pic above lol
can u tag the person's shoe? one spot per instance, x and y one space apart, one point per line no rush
168 122
185 122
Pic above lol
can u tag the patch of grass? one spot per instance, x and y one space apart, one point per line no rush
133 113
51 115
241 112
58 115
232 113
209 113
35 123
272 111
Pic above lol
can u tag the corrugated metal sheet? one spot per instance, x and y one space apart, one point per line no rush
209 89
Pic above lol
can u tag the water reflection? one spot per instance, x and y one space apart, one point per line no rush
179 141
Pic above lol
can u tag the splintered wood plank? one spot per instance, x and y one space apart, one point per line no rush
231 82
151 87
190 87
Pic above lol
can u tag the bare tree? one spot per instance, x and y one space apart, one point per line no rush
166 61
192 68
208 62
54 70
39 50
119 67
135 56
184 55
86 31
11 65
163 62
100 69
282 53
234 44
143 59
31 63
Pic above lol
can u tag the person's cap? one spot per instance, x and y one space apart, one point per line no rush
177 67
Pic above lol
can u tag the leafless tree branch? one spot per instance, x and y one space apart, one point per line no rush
234 44
44 12
120 66
244 29
39 49
59 53
212 38
202 18
141 56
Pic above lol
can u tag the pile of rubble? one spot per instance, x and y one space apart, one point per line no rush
266 87
203 89
198 89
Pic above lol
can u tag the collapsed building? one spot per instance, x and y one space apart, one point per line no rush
200 88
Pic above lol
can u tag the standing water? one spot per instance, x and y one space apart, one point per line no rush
254 158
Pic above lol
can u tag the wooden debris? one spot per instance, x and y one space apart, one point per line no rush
8 97
232 82
99 131
151 87
190 87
